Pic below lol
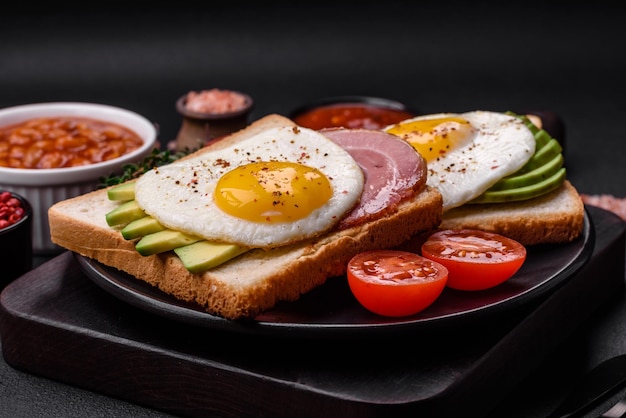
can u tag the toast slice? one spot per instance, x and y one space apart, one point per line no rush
255 281
556 217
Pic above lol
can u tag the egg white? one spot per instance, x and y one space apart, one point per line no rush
501 145
165 192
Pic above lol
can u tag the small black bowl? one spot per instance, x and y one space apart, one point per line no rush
16 248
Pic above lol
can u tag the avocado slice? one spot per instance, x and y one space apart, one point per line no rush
197 255
124 191
124 213
542 138
204 255
525 192
141 227
166 240
542 173
541 135
542 156
537 175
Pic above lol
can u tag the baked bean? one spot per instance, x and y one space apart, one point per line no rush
43 144
64 142
74 143
17 152
20 138
32 156
4 149
51 160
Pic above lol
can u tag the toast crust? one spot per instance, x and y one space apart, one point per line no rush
556 217
255 281
251 283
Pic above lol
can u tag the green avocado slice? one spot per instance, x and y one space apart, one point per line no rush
523 193
534 176
542 156
166 240
541 138
204 255
124 191
124 213
141 227
196 255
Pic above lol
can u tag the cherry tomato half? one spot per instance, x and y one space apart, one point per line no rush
395 283
476 260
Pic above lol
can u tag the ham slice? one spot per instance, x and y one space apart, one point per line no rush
393 171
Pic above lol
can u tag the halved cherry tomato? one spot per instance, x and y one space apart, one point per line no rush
395 283
476 260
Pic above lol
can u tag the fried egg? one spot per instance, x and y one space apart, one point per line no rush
277 187
466 153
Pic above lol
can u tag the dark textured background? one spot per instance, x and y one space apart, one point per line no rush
446 57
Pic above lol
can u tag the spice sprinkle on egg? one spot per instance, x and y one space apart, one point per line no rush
272 189
467 153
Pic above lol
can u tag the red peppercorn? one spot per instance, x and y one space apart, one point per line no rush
11 209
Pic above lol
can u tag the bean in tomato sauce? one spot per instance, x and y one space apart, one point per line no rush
352 116
58 142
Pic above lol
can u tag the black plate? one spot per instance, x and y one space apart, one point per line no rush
332 310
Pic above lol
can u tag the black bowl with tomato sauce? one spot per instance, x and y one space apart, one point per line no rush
16 251
351 112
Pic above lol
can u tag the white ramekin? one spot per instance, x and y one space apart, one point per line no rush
44 187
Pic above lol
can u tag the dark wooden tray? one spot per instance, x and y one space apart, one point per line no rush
57 323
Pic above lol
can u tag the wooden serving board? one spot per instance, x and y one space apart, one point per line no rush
58 324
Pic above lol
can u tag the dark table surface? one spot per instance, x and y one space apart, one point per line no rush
453 57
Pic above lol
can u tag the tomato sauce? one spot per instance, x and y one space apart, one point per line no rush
352 116
58 142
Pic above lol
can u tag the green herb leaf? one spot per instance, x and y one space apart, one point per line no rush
156 158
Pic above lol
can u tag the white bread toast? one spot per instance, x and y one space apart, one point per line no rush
255 281
556 217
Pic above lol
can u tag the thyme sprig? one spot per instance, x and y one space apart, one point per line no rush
131 171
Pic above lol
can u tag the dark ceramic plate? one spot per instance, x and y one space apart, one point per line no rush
332 310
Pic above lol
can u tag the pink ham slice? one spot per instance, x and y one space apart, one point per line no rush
393 171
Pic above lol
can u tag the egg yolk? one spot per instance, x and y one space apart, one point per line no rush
272 191
434 137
